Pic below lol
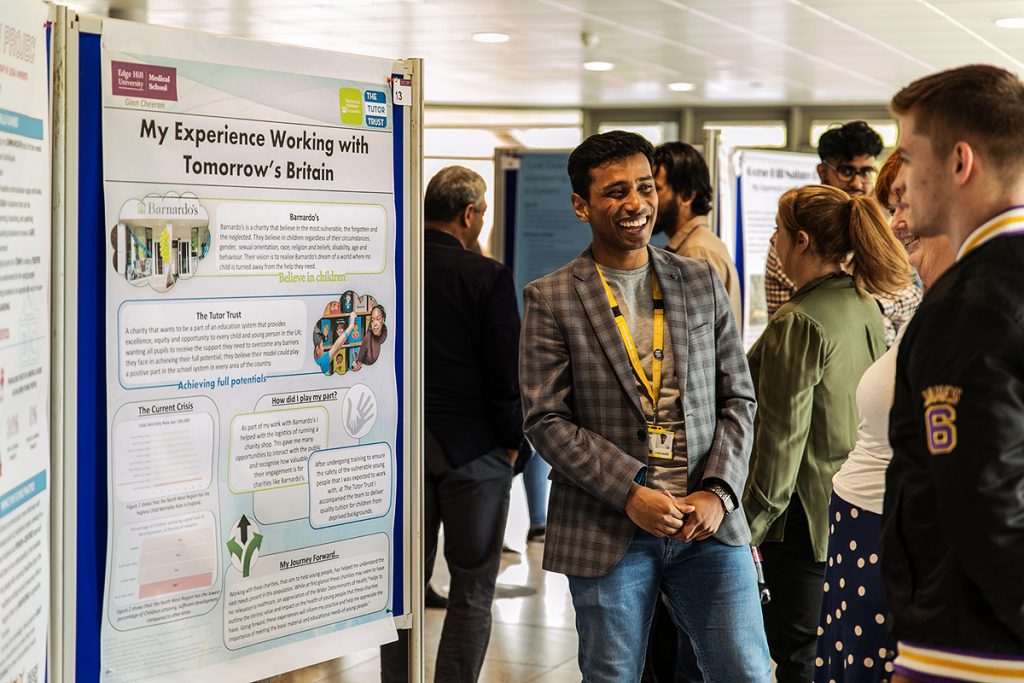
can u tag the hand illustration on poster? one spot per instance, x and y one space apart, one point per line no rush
360 410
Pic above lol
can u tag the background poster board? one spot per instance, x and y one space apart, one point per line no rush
25 345
24 341
162 274
537 231
541 232
761 178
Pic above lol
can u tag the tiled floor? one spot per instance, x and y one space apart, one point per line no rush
533 639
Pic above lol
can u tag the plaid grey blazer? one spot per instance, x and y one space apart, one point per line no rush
582 411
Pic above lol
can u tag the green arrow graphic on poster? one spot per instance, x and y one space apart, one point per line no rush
250 550
243 527
244 544
245 556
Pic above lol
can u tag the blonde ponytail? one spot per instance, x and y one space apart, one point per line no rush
851 232
878 262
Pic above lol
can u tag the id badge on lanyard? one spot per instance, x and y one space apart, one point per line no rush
659 440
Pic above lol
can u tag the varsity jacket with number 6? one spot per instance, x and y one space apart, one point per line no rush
953 523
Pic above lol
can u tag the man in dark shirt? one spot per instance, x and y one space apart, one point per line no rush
952 544
473 416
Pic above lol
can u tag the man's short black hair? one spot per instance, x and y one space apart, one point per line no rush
598 150
850 140
687 174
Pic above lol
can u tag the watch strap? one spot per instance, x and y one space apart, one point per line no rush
728 502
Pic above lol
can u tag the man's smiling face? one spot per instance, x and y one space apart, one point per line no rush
622 206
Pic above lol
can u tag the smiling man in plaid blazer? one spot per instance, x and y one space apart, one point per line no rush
636 390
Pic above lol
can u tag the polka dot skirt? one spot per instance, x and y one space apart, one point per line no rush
854 644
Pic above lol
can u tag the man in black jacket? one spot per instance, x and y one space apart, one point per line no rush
953 522
474 420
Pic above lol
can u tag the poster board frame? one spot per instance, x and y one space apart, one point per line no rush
79 415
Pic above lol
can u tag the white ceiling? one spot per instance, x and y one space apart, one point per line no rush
733 51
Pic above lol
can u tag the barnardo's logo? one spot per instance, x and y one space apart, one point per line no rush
144 80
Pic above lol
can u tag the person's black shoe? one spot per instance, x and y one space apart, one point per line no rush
536 533
434 600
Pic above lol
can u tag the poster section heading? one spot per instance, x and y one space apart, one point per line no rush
190 149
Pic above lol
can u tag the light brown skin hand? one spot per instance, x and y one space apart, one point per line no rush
512 454
707 513
657 513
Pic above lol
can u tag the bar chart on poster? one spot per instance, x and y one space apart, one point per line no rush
163 456
160 559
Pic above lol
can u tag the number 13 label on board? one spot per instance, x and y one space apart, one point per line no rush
401 91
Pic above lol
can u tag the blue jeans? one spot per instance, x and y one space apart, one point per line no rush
712 592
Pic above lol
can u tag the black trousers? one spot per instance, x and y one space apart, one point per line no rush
472 503
795 580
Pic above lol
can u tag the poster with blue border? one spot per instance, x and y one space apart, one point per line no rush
762 178
252 390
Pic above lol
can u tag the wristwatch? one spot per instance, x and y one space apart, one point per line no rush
728 502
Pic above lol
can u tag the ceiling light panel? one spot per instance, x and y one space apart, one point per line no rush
491 37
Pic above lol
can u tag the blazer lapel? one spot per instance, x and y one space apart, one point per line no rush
675 311
595 304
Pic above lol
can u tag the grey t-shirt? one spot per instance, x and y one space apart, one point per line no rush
633 292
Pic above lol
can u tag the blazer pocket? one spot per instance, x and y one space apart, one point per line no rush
701 349
702 328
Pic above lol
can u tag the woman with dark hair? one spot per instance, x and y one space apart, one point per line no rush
853 609
369 350
840 252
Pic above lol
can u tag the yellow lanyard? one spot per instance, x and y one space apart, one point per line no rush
653 386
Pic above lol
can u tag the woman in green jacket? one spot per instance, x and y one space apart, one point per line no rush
806 365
